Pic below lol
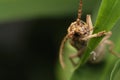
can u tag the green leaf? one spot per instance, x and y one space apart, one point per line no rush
108 15
115 74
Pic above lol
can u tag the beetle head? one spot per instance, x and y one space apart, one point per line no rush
78 29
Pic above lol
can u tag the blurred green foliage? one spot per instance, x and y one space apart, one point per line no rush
22 9
115 74
26 9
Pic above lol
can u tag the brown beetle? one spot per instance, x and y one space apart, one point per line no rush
79 33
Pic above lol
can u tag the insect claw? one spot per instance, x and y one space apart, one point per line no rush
93 53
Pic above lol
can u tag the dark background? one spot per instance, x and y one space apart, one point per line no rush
29 48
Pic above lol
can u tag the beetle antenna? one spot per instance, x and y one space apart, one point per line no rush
79 12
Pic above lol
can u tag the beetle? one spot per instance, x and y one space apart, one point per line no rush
79 33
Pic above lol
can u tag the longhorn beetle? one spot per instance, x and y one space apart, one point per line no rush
79 33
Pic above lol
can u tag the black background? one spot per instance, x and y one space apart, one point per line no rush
29 48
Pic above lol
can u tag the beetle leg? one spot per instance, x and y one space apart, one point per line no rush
61 51
99 34
111 46
71 57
